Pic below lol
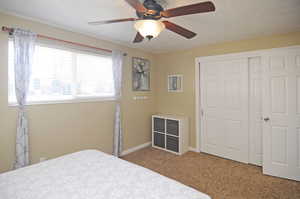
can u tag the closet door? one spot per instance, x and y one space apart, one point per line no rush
255 111
281 110
224 102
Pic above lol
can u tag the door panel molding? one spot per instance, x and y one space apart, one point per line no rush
255 111
227 135
280 134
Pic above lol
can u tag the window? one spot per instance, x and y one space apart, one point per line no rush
65 75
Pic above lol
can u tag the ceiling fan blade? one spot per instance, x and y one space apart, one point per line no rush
111 21
179 30
136 5
190 9
138 38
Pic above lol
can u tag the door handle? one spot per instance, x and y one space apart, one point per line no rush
266 119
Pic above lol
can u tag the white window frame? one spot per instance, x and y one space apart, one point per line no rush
78 98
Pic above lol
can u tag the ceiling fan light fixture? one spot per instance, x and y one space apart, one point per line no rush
149 28
149 13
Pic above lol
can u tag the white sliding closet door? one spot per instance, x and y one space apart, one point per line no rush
255 111
281 110
224 102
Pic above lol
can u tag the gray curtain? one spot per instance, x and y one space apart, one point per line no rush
117 58
24 44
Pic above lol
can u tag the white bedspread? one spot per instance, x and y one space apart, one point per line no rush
91 174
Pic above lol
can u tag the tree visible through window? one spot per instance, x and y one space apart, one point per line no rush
59 75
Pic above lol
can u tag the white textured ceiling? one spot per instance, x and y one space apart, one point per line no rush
233 20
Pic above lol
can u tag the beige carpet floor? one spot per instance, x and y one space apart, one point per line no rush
217 177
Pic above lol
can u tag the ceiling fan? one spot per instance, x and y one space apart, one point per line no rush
148 23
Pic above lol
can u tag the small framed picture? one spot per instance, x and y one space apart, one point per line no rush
175 83
140 74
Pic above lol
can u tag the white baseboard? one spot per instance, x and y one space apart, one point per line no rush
193 149
131 150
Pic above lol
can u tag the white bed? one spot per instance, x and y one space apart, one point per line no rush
91 174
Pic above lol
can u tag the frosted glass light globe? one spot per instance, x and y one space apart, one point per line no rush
149 28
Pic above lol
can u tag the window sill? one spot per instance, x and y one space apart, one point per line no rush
68 101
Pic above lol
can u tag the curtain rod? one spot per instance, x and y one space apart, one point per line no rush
10 30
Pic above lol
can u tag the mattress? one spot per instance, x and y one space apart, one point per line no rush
91 174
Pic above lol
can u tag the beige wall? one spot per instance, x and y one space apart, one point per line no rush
59 129
183 62
63 128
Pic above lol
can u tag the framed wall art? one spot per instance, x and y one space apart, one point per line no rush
175 83
140 74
